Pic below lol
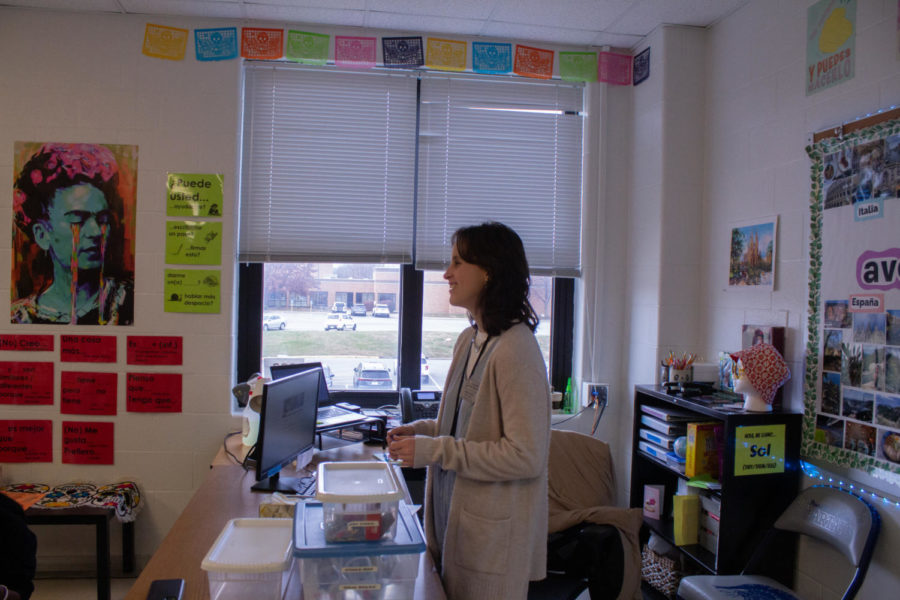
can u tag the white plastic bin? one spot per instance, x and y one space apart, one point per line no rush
251 558
359 501
384 570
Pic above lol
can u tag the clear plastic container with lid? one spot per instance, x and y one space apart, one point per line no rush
251 558
359 501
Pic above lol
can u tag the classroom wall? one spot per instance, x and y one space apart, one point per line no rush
757 122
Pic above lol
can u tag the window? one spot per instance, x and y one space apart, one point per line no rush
330 193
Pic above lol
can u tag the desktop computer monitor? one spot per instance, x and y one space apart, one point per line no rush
286 370
287 427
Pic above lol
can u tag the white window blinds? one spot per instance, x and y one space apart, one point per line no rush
327 165
501 149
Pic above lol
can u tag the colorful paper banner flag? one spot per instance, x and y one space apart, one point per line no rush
307 48
578 66
164 42
26 441
87 443
640 67
402 51
192 291
354 52
491 57
262 43
447 55
216 44
533 62
194 242
614 68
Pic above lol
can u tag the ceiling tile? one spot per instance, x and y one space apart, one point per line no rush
319 16
572 14
471 9
538 33
645 15
214 9
423 24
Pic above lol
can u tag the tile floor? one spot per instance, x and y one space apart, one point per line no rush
84 588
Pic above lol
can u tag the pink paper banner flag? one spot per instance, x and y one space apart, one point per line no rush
533 62
447 55
354 52
614 68
164 42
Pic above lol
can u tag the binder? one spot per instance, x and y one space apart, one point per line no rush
652 450
667 414
660 439
675 428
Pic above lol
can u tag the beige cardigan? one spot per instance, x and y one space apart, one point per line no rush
496 538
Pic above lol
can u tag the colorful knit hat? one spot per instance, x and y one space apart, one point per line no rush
766 369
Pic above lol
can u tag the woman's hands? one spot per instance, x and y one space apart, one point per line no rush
402 444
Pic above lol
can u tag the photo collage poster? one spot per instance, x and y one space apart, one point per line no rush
852 386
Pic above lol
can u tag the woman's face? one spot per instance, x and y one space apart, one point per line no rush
78 212
466 282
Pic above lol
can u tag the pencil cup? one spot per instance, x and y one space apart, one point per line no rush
680 375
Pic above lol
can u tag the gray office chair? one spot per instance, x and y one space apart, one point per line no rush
833 515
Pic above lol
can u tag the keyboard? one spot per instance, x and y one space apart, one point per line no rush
308 485
327 412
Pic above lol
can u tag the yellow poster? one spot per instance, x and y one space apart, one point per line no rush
759 450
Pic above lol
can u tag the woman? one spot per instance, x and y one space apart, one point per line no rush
487 451
67 203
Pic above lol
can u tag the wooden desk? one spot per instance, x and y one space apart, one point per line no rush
225 494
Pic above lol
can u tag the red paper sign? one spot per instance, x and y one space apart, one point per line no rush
153 392
154 350
29 383
26 441
87 348
87 393
28 343
533 62
87 443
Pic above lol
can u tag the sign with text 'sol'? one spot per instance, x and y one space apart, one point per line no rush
759 449
194 195
26 440
192 291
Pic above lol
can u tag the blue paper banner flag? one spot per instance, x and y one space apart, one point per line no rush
216 44
403 51
491 57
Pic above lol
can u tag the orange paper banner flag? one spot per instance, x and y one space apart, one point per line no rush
533 62
262 43
164 42
447 55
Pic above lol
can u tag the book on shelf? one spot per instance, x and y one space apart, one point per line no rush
675 461
667 414
660 439
704 441
653 450
675 428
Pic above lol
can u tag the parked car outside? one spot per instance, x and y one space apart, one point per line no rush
381 310
340 321
338 307
358 310
273 322
372 374
425 370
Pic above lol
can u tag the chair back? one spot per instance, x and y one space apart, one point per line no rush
839 518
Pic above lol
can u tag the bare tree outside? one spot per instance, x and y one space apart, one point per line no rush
284 281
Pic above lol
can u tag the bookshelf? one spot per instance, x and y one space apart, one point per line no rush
754 491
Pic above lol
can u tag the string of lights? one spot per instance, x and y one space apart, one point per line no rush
814 472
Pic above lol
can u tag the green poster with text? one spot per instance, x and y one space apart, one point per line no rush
194 195
194 242
759 449
192 291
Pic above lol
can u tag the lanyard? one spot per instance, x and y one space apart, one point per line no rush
463 378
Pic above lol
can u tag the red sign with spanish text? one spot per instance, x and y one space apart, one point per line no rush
153 392
27 343
87 393
154 350
26 441
87 443
28 383
87 348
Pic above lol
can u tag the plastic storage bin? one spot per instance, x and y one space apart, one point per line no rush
251 558
359 501
384 570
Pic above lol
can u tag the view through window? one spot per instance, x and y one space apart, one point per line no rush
346 317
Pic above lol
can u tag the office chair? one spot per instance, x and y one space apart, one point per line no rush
592 544
830 514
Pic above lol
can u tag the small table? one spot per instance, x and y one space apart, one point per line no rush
100 518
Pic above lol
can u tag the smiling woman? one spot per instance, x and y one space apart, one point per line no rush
73 258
